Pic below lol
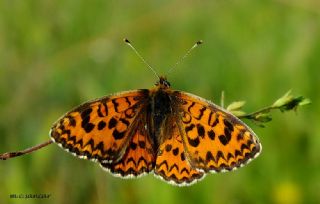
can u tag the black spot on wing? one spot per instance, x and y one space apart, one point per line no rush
240 136
86 113
133 145
219 155
104 103
100 114
112 123
189 128
189 108
175 151
126 122
237 153
229 156
201 113
72 121
168 147
182 156
186 118
86 125
194 142
200 130
209 157
224 139
215 122
118 135
243 147
211 134
227 133
101 125
142 144
228 125
115 105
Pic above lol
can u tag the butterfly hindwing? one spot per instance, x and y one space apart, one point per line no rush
100 129
214 139
171 163
139 157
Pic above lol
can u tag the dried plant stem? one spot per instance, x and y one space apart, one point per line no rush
9 155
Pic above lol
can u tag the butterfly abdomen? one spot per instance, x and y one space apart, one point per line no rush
159 109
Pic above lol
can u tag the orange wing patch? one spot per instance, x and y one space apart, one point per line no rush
171 163
99 129
138 159
214 139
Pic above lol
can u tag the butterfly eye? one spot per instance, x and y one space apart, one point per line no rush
163 82
166 83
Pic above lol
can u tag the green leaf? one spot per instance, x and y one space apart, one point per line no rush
294 103
236 105
286 98
305 101
238 113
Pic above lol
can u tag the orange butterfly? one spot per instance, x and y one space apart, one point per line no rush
176 135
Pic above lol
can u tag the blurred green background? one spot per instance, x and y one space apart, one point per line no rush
55 55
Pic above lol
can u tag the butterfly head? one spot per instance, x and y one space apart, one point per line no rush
163 83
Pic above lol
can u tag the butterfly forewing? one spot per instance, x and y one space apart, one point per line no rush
214 139
100 129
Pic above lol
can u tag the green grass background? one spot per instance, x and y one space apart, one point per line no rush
55 55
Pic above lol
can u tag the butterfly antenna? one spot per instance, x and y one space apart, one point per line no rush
143 60
186 55
9 155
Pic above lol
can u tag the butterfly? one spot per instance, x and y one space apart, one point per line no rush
176 135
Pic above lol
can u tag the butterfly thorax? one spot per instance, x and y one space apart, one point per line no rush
159 108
